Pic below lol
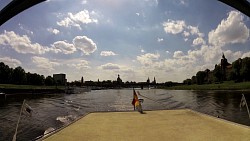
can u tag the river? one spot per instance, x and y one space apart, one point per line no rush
57 110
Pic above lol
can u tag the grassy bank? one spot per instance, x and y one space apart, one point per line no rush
230 85
12 86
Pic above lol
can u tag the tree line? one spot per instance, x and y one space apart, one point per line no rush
20 77
239 71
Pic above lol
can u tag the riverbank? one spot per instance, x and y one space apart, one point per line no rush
228 85
30 89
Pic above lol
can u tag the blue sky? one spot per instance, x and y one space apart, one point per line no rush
98 39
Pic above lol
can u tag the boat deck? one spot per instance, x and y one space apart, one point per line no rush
175 125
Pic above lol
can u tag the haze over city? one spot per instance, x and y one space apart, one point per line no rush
97 39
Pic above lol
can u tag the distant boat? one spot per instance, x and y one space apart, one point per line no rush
76 90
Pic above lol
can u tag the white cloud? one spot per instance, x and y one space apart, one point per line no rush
247 54
83 64
160 39
64 47
174 27
10 62
110 66
199 41
179 26
148 59
82 17
25 29
178 54
231 30
54 31
186 34
21 44
85 44
84 2
44 64
195 31
107 53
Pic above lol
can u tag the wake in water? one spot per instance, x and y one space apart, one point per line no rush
66 119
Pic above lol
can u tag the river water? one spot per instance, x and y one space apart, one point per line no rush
57 110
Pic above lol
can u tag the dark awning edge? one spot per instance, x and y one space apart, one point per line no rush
15 7
241 5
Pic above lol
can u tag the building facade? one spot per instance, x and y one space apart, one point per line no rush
60 79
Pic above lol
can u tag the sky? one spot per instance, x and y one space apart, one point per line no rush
170 40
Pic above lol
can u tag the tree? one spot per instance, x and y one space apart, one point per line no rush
193 79
207 76
5 73
200 76
245 69
217 73
19 76
49 81
187 81
236 67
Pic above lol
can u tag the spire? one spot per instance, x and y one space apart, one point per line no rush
223 56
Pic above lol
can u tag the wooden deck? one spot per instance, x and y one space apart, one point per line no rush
171 125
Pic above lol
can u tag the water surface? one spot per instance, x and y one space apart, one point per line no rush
57 110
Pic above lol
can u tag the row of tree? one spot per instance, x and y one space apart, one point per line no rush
239 71
19 76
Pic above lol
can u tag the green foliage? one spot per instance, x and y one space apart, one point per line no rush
49 81
193 80
245 69
187 81
200 77
227 85
217 74
19 76
5 73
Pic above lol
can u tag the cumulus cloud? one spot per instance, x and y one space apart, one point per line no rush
85 44
82 17
54 31
247 54
10 61
21 44
148 59
174 27
178 54
110 66
44 64
195 31
83 64
107 53
231 30
199 41
179 26
64 47
186 34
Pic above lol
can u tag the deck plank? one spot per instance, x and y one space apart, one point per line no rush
152 126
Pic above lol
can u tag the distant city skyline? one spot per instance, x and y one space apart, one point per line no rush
98 39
